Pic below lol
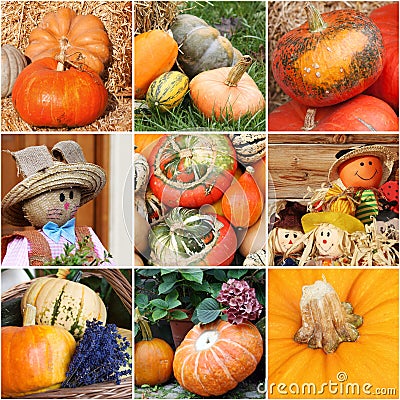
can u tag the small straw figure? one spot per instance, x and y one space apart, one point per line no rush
286 231
55 185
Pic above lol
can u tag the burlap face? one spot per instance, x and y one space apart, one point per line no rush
58 206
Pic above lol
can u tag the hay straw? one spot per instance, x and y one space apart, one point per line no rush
19 18
286 15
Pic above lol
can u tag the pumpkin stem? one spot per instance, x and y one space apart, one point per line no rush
315 21
62 56
143 324
237 71
326 322
29 317
309 120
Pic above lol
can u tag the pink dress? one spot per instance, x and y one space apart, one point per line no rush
18 250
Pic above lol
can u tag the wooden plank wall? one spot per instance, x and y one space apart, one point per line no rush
298 161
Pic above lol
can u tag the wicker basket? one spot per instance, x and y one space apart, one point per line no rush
110 390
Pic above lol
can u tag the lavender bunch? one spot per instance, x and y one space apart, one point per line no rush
240 300
99 356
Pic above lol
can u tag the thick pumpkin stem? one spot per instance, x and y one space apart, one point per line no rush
237 71
144 325
326 322
29 317
309 120
62 56
314 18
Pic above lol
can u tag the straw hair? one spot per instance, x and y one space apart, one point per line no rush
386 156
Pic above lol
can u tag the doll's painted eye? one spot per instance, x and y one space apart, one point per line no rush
362 164
71 194
286 235
62 197
328 234
370 162
295 235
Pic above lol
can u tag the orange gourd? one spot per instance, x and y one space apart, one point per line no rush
153 357
155 53
227 93
369 362
144 142
34 358
82 37
243 202
214 358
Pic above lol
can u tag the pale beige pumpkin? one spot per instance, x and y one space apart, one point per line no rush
64 303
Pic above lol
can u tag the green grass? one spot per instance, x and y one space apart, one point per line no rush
249 39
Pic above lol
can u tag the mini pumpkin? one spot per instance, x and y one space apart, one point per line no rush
12 63
81 39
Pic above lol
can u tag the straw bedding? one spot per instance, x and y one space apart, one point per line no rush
286 15
20 17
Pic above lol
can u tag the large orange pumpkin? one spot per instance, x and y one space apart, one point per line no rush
155 53
372 361
214 358
34 358
82 38
46 96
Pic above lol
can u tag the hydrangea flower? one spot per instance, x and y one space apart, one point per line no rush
99 356
240 300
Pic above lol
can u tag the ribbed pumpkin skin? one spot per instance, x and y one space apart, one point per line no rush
155 53
64 303
328 67
373 358
46 97
12 63
167 91
361 113
153 361
387 85
88 41
219 368
34 358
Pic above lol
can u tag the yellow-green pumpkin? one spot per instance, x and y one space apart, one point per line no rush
64 303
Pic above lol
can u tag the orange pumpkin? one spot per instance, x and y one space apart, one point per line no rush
371 361
227 93
82 37
34 358
155 53
144 142
153 357
243 202
214 358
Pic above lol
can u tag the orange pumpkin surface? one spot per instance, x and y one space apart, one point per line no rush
372 359
214 358
82 37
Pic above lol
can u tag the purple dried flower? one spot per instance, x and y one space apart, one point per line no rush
241 301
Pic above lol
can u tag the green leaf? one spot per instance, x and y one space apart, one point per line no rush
178 314
159 303
136 329
237 273
172 299
193 275
142 300
220 275
158 314
215 289
148 272
208 310
165 287
166 271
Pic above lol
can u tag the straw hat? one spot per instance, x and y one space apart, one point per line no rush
386 156
65 167
346 222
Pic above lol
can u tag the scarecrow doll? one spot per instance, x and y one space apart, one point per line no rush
362 171
286 231
55 185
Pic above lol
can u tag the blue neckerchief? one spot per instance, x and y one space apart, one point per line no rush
54 232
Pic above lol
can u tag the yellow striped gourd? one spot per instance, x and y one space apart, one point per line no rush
167 91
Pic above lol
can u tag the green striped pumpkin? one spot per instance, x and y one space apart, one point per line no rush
167 91
64 303
250 147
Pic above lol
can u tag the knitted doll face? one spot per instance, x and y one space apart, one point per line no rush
286 238
363 171
58 206
327 240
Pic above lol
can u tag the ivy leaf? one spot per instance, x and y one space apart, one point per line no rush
178 314
142 300
208 310
158 314
237 273
193 275
159 303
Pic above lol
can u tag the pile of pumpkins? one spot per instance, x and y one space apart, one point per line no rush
199 199
55 312
341 71
219 85
211 360
57 82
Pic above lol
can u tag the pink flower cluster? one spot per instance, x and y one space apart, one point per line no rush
240 300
